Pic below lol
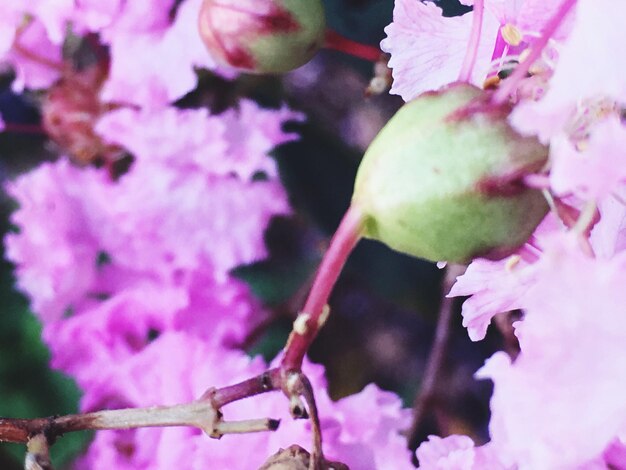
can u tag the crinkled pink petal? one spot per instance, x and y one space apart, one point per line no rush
165 221
581 71
10 18
88 344
498 286
189 139
31 73
154 69
95 15
591 51
598 169
541 118
237 141
608 236
573 322
139 17
427 50
55 15
252 132
55 252
456 453
494 286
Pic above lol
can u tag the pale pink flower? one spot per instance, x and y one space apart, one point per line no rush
608 237
456 453
597 169
427 50
573 328
585 71
498 286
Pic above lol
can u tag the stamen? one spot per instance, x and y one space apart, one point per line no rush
511 35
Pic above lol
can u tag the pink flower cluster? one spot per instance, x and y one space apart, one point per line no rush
559 404
130 276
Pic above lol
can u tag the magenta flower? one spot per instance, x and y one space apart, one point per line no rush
361 430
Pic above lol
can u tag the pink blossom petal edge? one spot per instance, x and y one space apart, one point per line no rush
427 49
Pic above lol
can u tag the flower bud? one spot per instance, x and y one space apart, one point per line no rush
443 180
262 36
296 458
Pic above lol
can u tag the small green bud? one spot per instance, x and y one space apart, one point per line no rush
443 179
262 36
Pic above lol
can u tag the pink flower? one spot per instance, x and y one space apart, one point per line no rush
608 237
597 169
157 67
119 16
361 430
573 328
499 286
596 29
36 59
427 50
55 251
456 453
237 141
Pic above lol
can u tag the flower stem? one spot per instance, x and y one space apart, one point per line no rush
510 84
23 128
315 310
340 43
472 46
437 355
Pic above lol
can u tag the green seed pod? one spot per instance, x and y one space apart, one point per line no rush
443 179
262 36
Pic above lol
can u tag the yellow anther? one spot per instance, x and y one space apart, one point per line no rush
511 262
511 34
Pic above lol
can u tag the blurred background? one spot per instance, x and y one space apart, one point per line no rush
385 306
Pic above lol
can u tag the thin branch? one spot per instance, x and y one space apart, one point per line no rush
437 355
337 42
203 414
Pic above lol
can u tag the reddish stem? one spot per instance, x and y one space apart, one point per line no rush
337 42
266 382
510 84
472 46
23 128
343 242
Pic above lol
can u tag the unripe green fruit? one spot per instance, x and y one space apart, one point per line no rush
262 36
443 180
